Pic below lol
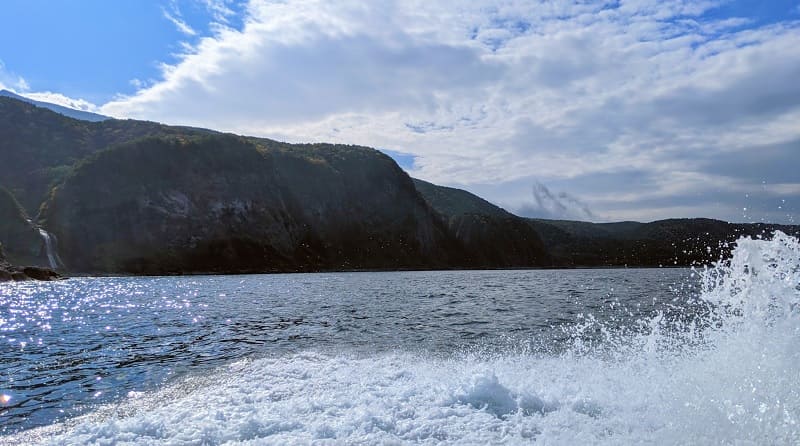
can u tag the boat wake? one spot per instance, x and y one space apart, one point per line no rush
726 373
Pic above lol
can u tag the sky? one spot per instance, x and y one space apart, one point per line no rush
600 110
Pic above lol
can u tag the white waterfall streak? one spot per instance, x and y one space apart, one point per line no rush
52 254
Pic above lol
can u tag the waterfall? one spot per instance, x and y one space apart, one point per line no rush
52 254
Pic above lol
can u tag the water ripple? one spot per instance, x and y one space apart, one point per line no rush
66 347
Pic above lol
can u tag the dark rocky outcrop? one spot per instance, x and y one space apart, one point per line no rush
222 203
37 273
9 272
492 237
673 242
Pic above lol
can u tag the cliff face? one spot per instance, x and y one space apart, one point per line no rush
230 204
21 240
6 270
491 236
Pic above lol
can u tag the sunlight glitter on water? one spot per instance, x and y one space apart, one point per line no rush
726 372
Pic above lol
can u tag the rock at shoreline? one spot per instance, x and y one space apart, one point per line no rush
9 272
37 273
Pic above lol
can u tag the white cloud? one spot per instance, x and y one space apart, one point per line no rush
220 10
18 85
177 20
11 81
503 92
60 99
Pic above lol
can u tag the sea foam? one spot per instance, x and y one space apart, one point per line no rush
727 374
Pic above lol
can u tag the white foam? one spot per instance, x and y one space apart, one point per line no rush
733 377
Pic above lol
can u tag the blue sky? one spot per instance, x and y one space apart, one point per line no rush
760 12
94 49
630 109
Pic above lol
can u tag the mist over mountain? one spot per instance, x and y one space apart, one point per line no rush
555 205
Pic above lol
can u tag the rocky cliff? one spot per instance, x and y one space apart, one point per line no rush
223 203
506 240
21 240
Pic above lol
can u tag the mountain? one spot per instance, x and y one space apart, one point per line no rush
137 197
38 147
124 196
223 203
672 242
566 243
492 237
66 111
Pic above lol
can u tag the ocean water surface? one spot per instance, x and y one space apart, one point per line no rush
621 356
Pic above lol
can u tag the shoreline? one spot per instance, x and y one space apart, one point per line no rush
374 270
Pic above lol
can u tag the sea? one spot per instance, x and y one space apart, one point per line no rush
706 355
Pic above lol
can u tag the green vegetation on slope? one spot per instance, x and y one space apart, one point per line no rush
451 201
38 147
492 237
673 242
226 203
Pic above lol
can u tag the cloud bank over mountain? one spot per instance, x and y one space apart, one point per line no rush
645 109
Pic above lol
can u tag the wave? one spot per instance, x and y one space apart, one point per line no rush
726 372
